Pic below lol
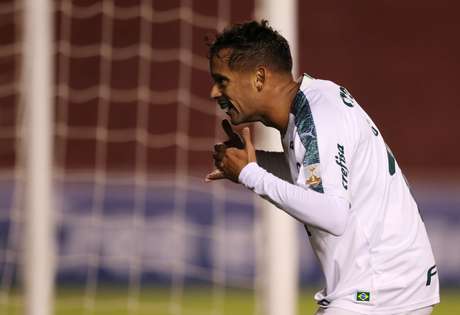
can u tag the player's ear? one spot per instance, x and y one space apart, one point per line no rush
260 78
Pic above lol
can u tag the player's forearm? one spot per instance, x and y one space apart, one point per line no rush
275 163
325 212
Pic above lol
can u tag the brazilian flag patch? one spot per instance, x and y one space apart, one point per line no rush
362 296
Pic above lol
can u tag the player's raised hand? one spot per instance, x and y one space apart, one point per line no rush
235 160
234 140
230 161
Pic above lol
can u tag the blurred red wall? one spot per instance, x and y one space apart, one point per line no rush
401 61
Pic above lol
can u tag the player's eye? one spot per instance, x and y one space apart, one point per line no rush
221 83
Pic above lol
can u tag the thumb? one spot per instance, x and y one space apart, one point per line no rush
246 133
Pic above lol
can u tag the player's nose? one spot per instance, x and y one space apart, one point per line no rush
215 92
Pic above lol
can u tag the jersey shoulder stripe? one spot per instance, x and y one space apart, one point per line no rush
306 130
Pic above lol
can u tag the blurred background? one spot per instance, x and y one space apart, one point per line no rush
137 229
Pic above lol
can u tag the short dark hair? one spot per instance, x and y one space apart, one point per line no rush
253 43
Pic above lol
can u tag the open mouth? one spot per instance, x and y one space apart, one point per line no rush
226 105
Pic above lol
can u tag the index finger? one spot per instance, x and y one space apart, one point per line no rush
234 138
228 129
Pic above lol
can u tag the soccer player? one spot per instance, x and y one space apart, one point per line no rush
342 181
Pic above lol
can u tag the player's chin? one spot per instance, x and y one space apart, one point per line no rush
243 119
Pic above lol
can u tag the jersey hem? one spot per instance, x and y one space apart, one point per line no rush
371 309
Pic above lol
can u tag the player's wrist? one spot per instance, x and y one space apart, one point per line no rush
249 173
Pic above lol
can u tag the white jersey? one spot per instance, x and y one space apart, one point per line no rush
382 263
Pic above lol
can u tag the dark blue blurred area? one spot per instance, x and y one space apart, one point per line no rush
195 233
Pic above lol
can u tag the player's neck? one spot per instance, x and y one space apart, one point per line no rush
279 105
